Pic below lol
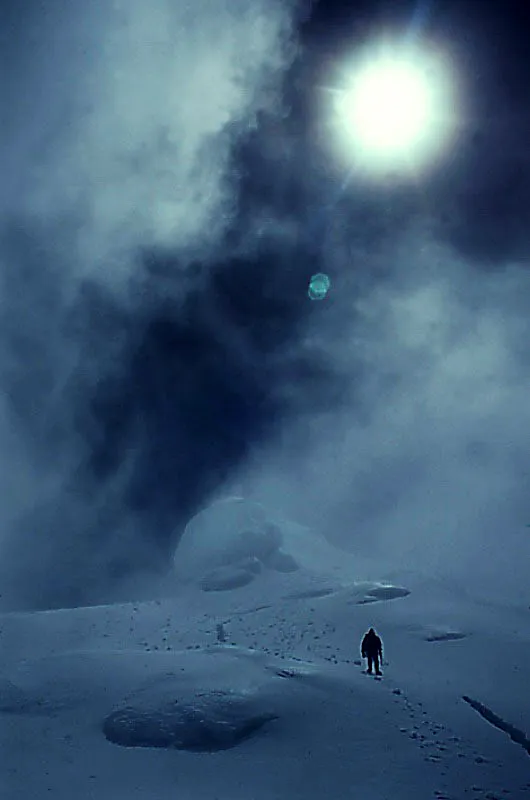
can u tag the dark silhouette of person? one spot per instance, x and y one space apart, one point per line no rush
372 649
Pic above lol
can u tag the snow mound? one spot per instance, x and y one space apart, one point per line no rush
215 720
224 542
225 534
205 700
443 634
281 562
386 592
110 680
227 578
364 592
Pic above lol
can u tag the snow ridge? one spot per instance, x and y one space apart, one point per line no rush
515 734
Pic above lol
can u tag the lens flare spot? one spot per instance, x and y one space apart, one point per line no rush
318 286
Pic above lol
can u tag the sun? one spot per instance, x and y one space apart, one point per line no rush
393 109
389 106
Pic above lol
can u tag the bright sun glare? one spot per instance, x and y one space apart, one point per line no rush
394 110
388 106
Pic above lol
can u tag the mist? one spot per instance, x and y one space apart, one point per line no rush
162 213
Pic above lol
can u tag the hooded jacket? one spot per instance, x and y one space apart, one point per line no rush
371 645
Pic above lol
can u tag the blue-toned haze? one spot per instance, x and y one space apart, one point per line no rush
168 192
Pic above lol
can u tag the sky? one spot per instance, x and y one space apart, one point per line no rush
170 185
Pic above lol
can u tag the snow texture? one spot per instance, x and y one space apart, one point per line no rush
256 691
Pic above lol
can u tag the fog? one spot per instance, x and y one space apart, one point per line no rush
166 198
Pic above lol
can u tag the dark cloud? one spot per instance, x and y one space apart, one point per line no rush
126 394
166 399
476 194
488 221
158 343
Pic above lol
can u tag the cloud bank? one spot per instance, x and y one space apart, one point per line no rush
120 179
166 202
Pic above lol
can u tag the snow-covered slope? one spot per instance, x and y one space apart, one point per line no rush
256 692
235 532
233 540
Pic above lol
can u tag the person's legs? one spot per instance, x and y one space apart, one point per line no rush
370 662
377 670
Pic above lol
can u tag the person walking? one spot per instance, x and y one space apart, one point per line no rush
372 649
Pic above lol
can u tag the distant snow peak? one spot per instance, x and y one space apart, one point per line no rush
228 543
232 541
